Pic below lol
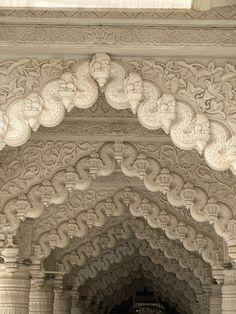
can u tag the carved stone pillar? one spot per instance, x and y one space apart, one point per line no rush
41 297
14 291
215 300
62 303
229 292
14 282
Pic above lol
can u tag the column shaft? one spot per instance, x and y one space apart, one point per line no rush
215 300
14 292
229 292
41 300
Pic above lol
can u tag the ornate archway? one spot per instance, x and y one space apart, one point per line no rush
128 177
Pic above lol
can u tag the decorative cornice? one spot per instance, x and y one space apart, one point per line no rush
122 36
221 13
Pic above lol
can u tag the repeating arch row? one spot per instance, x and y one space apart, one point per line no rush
178 193
141 231
132 249
122 201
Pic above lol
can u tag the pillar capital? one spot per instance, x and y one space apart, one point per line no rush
11 255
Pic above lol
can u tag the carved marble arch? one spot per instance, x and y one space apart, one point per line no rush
168 282
120 234
193 107
126 287
133 163
125 201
